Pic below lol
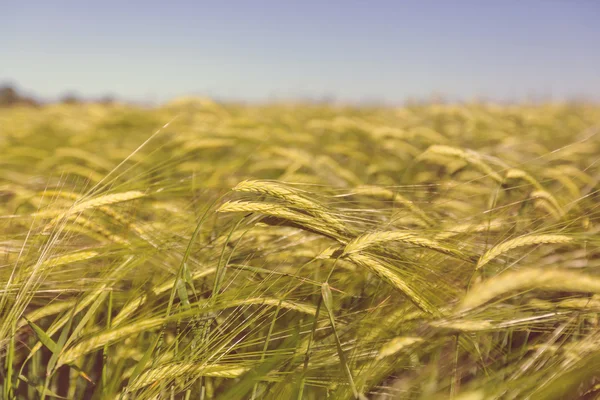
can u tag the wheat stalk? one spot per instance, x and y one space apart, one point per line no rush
387 194
90 204
282 212
69 258
385 272
528 279
292 199
515 173
544 195
172 371
371 239
491 226
469 156
396 344
521 241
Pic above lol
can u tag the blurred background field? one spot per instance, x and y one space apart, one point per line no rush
299 251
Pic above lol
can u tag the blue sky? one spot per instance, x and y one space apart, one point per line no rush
264 49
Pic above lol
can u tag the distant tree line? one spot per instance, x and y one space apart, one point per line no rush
10 97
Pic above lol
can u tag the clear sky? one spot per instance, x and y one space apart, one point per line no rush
277 49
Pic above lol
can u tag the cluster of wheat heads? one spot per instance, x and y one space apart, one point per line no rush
202 250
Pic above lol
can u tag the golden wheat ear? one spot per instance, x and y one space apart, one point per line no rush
527 240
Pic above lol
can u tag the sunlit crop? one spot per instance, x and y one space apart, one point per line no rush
200 250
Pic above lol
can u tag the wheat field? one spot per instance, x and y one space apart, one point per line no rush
200 250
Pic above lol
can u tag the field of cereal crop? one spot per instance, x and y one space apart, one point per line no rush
200 250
